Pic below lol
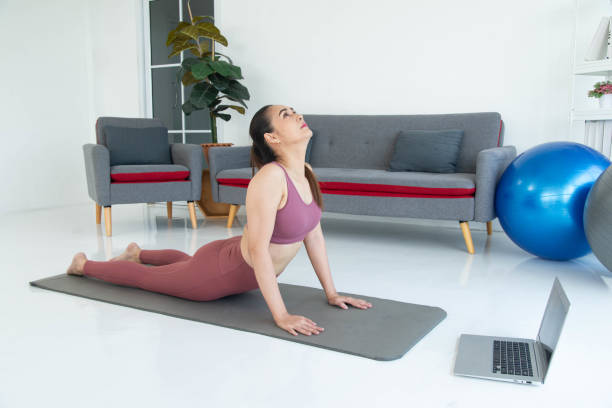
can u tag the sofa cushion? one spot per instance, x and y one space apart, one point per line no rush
369 182
149 173
137 145
433 151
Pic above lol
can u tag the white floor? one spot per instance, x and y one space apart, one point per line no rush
58 350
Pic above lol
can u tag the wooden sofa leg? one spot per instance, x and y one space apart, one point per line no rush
232 213
489 227
192 214
169 209
467 235
108 221
98 213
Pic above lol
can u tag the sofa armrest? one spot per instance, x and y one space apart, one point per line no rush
192 157
490 165
226 157
97 170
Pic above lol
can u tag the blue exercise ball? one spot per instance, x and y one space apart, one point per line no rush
540 198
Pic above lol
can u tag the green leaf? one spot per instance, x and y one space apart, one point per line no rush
239 109
221 108
188 79
237 90
202 95
221 40
220 82
201 70
224 116
226 69
173 34
178 47
188 108
206 30
215 103
240 101
228 58
206 27
188 62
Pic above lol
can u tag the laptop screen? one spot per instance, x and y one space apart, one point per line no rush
552 322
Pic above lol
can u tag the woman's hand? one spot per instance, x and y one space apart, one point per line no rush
295 323
341 301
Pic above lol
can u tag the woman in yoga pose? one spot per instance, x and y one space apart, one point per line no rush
280 216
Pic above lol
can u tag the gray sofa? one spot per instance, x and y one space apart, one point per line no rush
350 155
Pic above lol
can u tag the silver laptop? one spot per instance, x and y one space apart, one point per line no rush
511 359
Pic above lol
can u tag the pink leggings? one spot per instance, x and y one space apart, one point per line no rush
217 269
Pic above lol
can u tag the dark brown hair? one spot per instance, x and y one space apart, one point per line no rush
262 154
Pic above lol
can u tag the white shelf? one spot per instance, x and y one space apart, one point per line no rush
592 114
594 68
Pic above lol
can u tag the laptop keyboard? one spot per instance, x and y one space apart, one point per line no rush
512 358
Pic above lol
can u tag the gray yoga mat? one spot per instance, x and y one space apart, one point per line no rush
386 331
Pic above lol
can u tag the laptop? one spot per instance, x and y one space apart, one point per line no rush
513 359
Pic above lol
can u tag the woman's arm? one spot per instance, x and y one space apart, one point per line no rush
315 247
263 196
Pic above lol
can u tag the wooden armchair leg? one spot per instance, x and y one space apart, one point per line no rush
108 221
98 213
467 235
169 209
232 213
489 227
192 214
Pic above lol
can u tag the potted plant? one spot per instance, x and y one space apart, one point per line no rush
603 91
213 80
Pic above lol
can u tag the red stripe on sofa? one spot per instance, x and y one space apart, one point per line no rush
150 181
389 194
155 176
499 135
332 187
389 188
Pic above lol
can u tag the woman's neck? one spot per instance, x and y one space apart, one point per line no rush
294 163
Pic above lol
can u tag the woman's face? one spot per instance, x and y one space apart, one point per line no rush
288 127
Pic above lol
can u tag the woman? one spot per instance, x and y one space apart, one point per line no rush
283 205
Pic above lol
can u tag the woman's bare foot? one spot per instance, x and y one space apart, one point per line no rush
132 254
78 262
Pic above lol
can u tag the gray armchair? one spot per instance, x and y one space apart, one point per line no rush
133 162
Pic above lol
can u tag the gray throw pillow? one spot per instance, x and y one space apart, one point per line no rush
431 151
137 145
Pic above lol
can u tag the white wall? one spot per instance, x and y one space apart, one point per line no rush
340 56
65 62
407 57
589 14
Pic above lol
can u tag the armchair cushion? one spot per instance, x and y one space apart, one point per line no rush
148 173
129 146
432 151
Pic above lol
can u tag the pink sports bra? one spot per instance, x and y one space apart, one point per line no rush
296 219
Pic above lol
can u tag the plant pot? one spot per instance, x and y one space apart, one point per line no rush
605 101
208 206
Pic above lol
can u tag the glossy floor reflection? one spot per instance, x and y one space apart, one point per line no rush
62 350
